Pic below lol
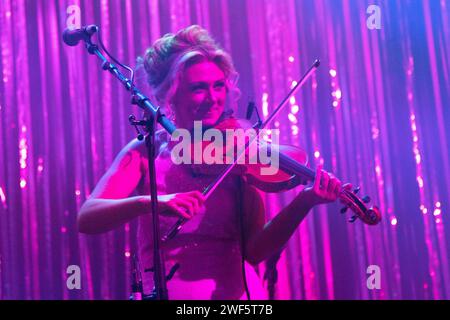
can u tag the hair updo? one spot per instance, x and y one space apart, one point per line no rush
165 60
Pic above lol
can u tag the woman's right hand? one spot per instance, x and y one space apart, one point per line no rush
184 204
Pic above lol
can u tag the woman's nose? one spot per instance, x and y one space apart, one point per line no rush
212 95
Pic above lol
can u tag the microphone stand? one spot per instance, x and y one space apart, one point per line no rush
143 102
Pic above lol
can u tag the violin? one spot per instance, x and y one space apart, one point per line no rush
292 166
292 171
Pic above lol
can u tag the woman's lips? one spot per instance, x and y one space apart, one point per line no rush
212 111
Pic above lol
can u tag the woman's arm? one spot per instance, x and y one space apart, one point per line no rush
110 206
265 240
102 215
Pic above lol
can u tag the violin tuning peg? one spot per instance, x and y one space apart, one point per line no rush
366 199
344 209
356 190
352 219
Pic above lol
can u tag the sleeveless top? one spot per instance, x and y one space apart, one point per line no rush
207 248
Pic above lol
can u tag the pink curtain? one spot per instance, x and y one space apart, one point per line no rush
376 114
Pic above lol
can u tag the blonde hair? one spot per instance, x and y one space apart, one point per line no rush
165 60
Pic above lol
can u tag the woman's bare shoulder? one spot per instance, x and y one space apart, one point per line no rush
124 174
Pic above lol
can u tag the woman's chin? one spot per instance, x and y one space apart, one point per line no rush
209 121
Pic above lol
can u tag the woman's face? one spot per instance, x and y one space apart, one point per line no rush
201 95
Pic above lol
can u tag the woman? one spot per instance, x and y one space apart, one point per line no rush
190 75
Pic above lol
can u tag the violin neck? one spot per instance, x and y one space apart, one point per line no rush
292 166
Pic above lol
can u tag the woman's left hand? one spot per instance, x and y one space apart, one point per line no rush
326 188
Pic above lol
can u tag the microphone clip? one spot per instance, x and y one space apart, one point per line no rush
135 123
250 108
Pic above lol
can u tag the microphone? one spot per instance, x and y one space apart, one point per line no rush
250 108
72 36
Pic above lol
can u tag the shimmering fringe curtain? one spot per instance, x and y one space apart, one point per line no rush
376 114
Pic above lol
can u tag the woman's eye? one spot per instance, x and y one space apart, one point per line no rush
196 89
219 85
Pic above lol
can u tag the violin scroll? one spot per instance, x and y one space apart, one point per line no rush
370 216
